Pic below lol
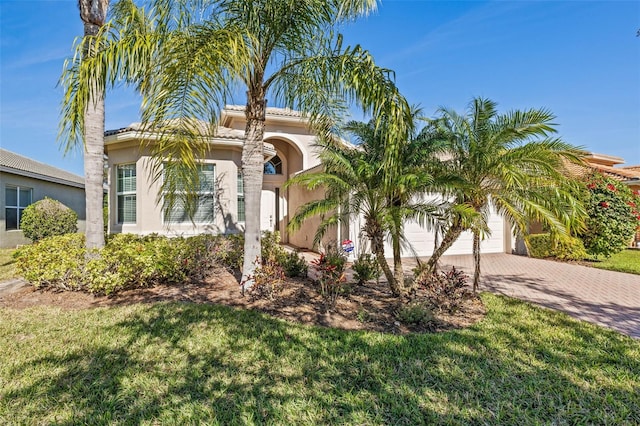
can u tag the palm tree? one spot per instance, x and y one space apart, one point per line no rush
508 162
287 50
366 180
93 14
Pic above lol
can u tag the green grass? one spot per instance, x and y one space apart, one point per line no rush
182 363
625 261
7 264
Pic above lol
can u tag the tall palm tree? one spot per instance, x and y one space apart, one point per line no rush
365 180
287 50
508 162
93 14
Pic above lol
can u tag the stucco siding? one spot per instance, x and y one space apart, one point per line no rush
149 212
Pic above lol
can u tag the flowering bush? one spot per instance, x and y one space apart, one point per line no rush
613 216
330 270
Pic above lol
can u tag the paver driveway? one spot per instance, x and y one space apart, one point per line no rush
608 298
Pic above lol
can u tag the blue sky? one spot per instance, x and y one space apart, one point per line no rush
580 59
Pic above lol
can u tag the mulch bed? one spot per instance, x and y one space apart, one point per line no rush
362 307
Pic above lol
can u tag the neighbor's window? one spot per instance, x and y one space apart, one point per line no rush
126 193
273 166
206 199
16 198
241 211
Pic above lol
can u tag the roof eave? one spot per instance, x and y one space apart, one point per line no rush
42 177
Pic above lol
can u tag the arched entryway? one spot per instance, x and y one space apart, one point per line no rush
275 206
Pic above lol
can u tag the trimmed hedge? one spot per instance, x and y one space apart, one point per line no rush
567 248
126 261
48 218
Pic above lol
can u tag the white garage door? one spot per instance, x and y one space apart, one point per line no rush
422 241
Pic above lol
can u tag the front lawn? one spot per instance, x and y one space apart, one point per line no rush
626 261
7 264
186 363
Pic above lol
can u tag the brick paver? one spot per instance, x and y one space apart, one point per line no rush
608 298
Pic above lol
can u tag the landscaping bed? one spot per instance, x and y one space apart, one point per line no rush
362 307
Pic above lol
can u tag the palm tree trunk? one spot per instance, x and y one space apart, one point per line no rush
252 174
476 258
397 265
448 239
93 14
377 247
94 170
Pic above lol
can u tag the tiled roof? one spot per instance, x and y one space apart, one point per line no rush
618 173
287 112
635 168
222 132
14 163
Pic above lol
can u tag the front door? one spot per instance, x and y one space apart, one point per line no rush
268 218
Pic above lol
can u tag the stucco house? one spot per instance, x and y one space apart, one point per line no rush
24 181
134 205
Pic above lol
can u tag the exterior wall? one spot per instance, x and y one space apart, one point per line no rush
149 215
70 196
303 237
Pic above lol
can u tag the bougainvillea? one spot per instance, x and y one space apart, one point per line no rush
614 215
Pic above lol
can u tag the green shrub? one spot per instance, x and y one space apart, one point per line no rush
48 218
445 290
415 313
268 280
294 265
132 261
565 248
613 216
54 262
366 268
271 248
203 254
126 261
232 251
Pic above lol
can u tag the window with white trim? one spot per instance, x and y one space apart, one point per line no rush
206 199
241 209
126 198
16 199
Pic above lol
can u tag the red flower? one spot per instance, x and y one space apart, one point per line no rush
591 186
631 203
611 187
604 204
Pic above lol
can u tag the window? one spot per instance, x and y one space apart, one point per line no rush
126 193
16 198
273 166
241 211
206 199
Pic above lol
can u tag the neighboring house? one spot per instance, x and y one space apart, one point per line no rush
24 181
135 207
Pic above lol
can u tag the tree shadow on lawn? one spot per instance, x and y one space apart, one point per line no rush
624 319
187 363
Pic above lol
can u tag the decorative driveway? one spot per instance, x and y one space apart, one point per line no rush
608 298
